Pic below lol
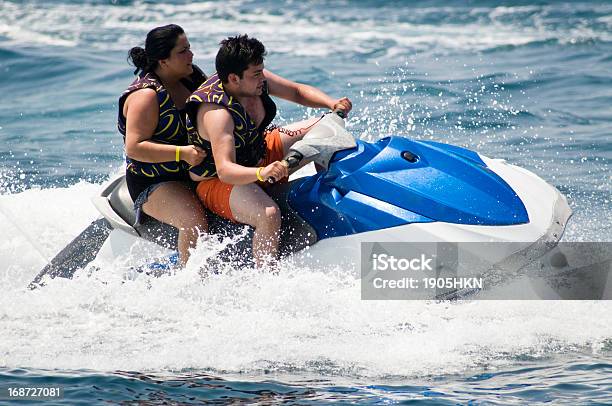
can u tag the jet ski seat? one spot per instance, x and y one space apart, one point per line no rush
122 202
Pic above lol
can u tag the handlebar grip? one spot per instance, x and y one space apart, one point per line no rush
293 159
285 162
340 113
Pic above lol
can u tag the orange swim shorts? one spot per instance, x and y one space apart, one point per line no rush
215 195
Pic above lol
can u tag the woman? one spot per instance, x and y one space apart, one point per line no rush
152 121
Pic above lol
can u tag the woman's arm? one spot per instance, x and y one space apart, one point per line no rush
141 110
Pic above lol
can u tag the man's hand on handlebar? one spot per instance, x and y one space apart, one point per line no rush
344 104
275 171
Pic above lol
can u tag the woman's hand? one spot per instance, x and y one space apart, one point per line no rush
192 155
343 104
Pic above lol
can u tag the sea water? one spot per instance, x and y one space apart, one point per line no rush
527 82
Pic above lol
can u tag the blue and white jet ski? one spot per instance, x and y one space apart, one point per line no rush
393 190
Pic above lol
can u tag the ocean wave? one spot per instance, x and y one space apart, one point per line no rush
241 321
301 321
372 30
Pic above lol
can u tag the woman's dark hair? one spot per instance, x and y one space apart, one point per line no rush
159 43
236 54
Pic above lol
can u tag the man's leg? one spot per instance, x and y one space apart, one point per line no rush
174 203
304 126
278 143
251 205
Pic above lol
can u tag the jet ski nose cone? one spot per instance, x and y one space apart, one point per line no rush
434 180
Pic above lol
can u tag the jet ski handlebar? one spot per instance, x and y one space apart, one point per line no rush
294 157
339 113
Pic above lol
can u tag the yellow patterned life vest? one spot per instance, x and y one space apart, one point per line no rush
170 126
249 139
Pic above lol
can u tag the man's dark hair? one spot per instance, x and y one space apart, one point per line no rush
236 54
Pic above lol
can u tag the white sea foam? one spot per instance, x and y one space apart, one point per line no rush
241 321
37 223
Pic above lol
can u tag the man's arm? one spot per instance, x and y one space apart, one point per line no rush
305 95
215 123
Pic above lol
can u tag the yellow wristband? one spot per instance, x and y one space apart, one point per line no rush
258 173
177 156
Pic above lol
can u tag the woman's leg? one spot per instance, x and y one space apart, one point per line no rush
251 205
175 203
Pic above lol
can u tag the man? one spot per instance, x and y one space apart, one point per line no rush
228 117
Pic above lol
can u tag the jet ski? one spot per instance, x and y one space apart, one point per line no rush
396 189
